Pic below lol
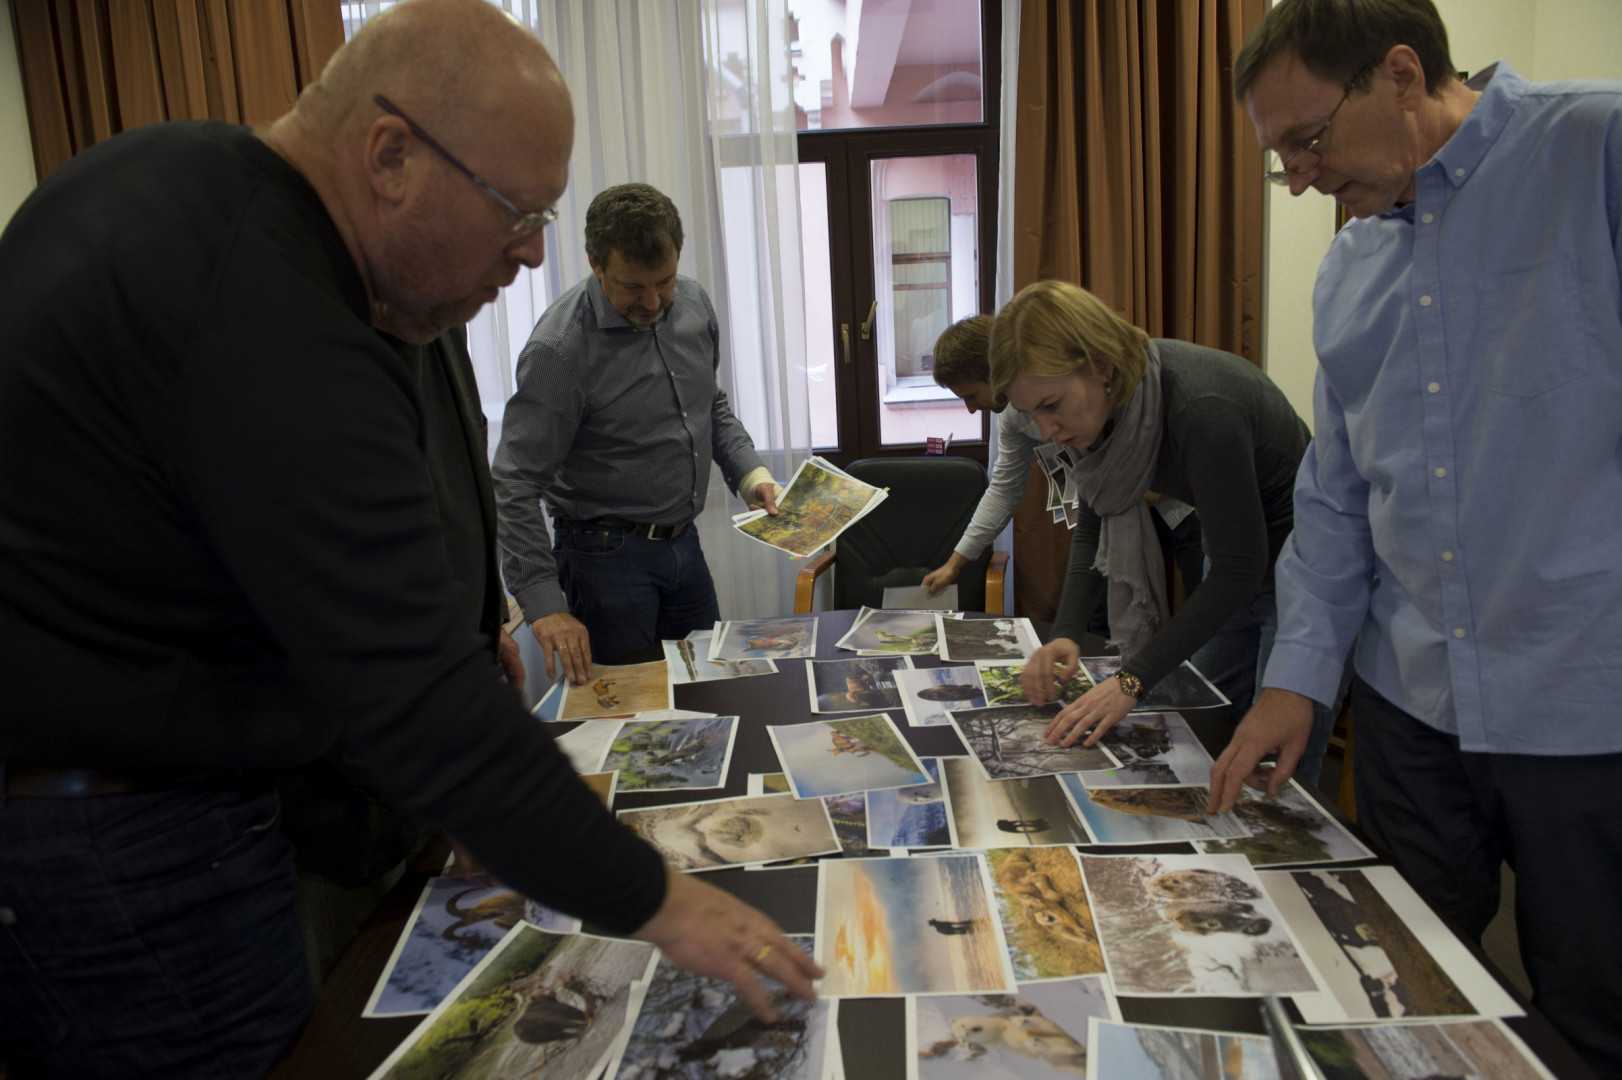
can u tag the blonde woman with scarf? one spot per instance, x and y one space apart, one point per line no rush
1196 424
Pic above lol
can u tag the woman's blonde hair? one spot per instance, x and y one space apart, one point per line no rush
1056 328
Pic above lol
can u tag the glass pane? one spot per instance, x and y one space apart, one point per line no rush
873 64
821 356
926 277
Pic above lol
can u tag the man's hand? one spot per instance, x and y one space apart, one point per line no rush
563 635
1280 720
765 495
1098 710
711 932
1037 680
509 660
936 580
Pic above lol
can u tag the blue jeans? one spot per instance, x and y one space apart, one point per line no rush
631 592
150 935
1236 658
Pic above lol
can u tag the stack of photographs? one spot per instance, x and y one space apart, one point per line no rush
902 631
820 502
1062 502
689 661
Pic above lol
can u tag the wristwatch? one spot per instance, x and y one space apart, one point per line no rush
1131 685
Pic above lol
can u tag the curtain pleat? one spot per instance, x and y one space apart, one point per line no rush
1135 177
92 68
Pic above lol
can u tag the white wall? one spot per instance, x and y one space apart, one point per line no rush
16 151
1543 40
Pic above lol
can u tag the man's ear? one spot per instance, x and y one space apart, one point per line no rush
389 157
1403 65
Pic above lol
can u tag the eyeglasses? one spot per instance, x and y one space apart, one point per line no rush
1308 154
529 221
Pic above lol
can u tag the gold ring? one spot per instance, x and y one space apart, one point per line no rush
760 957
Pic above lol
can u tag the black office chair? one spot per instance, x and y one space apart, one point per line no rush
911 533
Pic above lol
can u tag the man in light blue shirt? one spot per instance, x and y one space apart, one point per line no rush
1459 514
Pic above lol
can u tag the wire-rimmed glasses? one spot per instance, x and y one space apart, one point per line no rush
1309 156
529 221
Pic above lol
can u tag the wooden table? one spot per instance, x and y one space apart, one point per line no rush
337 1044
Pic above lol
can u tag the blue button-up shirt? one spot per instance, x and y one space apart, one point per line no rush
1459 514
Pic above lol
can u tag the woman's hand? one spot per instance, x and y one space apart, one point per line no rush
1099 709
1037 680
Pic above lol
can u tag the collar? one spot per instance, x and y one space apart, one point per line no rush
1502 88
607 318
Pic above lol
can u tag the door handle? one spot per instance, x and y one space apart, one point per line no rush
844 335
867 327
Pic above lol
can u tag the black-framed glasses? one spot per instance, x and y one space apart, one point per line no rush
1309 155
529 221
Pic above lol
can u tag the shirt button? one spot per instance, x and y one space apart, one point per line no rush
1427 218
1447 556
1424 301
1440 472
1458 172
1458 631
684 416
1434 387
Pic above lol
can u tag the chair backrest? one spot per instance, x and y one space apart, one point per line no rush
913 531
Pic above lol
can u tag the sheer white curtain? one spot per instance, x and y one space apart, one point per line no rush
693 99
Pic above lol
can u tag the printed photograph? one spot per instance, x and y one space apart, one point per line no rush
855 685
1001 681
458 920
1184 688
928 694
847 812
910 817
615 690
838 757
1379 950
1031 812
784 638
916 597
537 1001
662 755
819 503
1481 1048
689 661
1044 913
1148 1052
1040 1033
1148 815
887 927
1190 924
694 1027
1155 749
1009 742
891 632
734 832
1287 829
962 640
587 745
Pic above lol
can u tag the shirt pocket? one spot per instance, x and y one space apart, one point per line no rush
1530 330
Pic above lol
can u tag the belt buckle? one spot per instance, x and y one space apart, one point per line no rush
662 532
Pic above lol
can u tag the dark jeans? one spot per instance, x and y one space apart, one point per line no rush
631 592
151 935
1449 818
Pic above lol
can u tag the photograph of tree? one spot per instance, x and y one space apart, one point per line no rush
1009 741
1001 679
819 503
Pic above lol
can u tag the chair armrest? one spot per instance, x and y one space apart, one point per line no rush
805 582
994 575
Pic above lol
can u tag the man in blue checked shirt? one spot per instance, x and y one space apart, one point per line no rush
614 424
1458 514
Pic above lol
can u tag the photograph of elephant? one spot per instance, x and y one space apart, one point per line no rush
888 927
537 1002
1149 1052
1044 912
457 921
1039 1033
1190 924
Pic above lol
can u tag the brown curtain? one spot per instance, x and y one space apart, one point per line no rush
93 68
1138 177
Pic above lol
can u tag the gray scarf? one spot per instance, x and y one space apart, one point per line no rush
1111 480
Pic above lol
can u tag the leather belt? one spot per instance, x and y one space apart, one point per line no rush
40 782
652 532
